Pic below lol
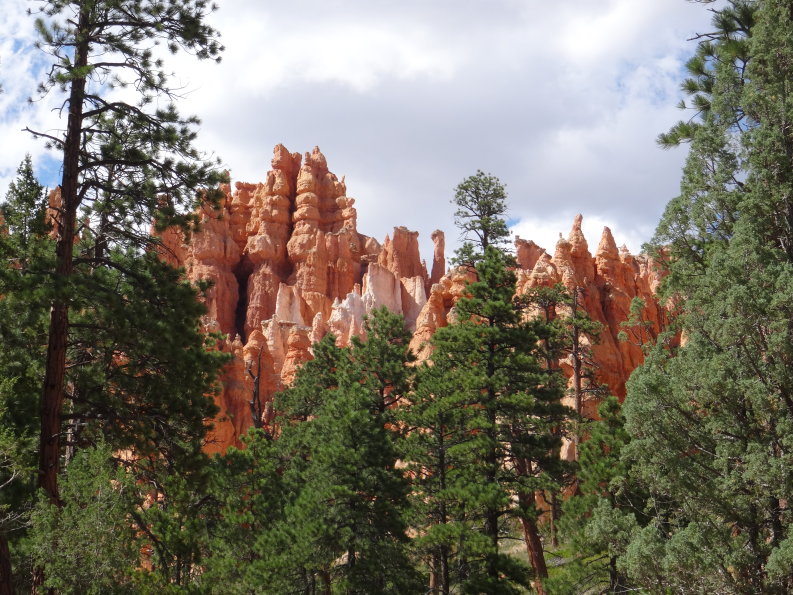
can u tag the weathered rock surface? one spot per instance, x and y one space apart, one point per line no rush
288 265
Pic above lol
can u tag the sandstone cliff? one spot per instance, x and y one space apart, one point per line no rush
288 265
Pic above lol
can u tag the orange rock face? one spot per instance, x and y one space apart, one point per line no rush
288 265
607 284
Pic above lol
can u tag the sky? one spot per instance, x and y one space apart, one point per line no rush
562 101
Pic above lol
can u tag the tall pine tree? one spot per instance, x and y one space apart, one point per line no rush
711 421
486 410
125 164
125 362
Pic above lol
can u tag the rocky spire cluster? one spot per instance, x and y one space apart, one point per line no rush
288 265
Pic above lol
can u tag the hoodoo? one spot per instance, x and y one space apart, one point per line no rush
288 265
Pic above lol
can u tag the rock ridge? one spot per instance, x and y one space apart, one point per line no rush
287 265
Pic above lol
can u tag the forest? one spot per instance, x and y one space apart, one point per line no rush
382 472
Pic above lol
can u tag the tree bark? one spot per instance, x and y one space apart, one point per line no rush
531 535
326 586
55 371
6 577
435 580
534 549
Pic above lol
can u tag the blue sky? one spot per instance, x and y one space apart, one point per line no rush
561 100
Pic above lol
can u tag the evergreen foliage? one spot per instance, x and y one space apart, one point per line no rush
482 417
125 364
726 47
243 547
380 470
711 421
128 160
25 254
481 202
568 332
323 507
490 358
98 553
600 519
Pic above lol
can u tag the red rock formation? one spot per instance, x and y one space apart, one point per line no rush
288 266
438 257
607 283
527 253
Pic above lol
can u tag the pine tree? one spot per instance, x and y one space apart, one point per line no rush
24 213
116 366
711 421
569 333
243 527
600 519
491 356
436 452
125 164
483 415
98 554
125 362
727 45
341 522
481 202
25 251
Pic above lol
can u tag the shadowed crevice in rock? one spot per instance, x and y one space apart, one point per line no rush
242 273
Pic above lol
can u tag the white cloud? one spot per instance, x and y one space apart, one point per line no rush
350 54
545 232
561 100
20 69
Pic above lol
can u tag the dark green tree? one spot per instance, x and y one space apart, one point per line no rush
99 552
25 254
481 204
334 518
484 414
569 333
512 406
116 367
727 45
24 213
244 549
436 451
125 164
608 507
710 421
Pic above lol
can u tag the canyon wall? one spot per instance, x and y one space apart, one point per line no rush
288 265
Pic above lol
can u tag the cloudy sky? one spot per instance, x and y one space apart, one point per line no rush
561 100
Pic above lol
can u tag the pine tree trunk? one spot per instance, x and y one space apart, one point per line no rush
536 555
55 371
6 578
326 582
531 536
435 574
554 515
444 570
